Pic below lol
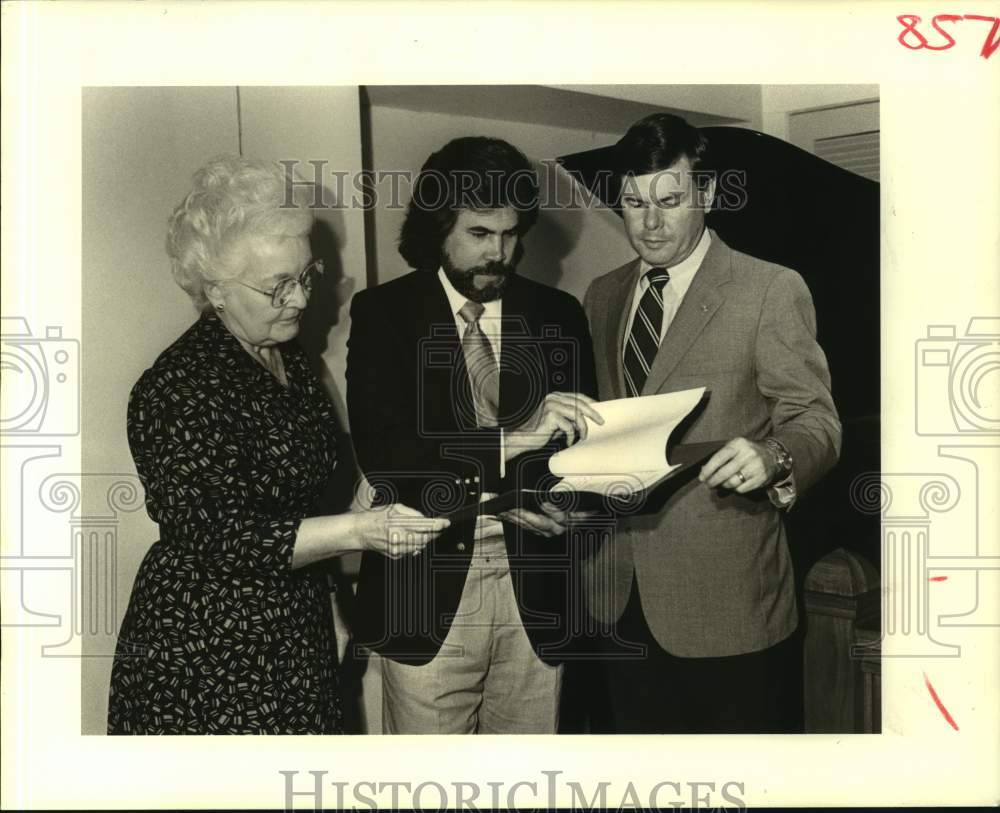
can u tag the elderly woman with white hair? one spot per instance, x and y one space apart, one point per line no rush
229 627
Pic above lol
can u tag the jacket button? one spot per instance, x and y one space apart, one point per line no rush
460 546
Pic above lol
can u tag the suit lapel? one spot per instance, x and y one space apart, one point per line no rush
702 300
618 305
436 337
517 384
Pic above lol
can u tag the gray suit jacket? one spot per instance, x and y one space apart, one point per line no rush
712 566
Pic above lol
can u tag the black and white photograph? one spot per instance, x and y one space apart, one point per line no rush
349 440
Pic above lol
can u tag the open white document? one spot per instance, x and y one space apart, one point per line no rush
628 452
619 460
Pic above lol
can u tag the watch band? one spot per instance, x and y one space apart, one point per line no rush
782 457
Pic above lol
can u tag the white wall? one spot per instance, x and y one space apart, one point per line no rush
779 101
700 104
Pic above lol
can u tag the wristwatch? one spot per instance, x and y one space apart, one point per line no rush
782 458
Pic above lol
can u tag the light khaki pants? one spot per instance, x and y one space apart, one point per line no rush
486 679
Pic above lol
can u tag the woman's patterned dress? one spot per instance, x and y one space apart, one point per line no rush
221 635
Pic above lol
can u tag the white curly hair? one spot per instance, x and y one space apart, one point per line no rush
232 199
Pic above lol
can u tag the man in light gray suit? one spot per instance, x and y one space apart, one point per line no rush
705 584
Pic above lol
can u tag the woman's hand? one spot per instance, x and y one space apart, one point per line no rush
396 530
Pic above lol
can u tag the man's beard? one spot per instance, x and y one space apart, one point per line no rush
463 279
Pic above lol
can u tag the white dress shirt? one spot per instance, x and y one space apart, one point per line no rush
490 324
681 276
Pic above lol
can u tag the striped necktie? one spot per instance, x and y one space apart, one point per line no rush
644 337
484 374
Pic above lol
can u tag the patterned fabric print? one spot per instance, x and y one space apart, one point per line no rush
221 635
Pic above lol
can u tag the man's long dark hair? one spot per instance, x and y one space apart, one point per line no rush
476 173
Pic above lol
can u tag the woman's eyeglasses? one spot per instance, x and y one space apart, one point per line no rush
282 293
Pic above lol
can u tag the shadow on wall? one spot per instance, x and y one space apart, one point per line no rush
332 291
545 248
331 294
556 234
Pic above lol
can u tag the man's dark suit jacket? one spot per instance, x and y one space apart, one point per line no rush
414 432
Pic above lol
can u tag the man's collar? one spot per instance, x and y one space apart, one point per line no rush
456 301
687 267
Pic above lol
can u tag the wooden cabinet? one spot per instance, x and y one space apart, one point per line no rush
842 663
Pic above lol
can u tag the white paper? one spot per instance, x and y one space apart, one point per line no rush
628 452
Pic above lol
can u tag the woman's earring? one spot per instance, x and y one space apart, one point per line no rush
220 307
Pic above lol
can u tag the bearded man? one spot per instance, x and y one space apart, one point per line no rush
462 378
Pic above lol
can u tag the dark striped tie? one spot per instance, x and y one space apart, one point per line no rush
484 373
644 337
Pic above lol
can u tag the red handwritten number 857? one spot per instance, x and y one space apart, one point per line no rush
911 38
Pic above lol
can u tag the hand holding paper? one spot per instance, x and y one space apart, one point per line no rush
565 412
623 453
628 451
